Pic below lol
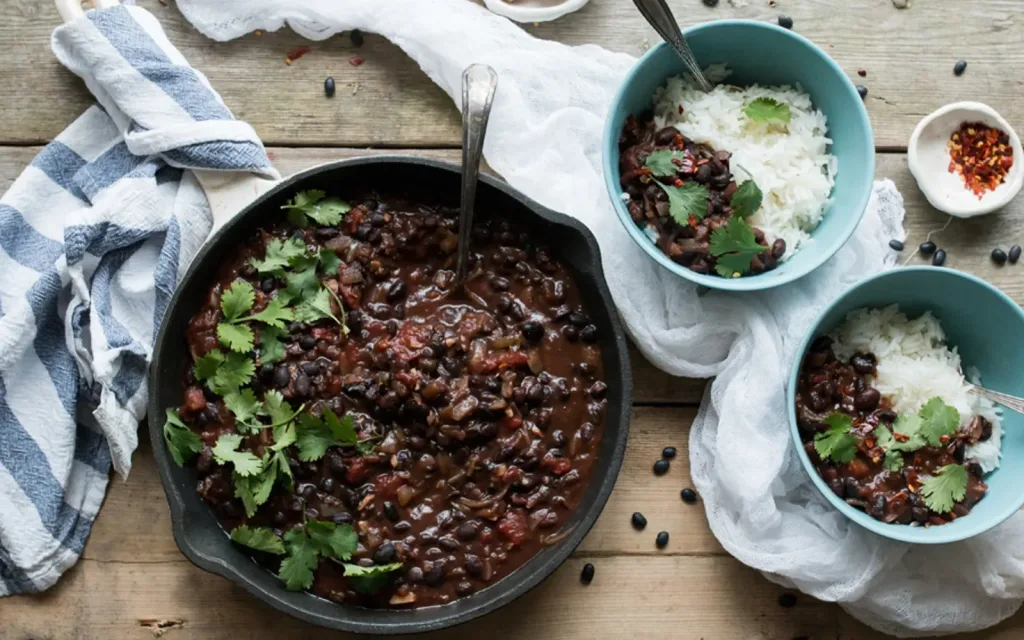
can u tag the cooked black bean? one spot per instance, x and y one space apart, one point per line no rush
303 387
307 341
532 331
867 400
688 495
661 467
396 290
939 258
589 333
927 248
638 520
863 363
999 256
267 285
896 245
959 67
282 376
587 574
662 539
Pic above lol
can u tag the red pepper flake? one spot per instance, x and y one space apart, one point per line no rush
680 109
295 54
862 73
678 162
900 437
692 220
678 182
355 61
943 439
981 155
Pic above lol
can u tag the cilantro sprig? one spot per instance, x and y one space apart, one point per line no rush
747 199
313 205
945 489
734 247
279 255
767 109
690 199
912 431
238 300
226 452
182 442
258 538
222 373
315 436
837 443
665 162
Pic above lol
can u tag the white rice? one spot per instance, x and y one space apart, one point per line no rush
915 365
790 163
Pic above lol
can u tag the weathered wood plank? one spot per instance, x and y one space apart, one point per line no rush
908 56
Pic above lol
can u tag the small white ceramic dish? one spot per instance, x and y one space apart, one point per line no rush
534 10
928 157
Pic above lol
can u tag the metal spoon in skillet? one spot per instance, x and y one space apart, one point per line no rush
479 83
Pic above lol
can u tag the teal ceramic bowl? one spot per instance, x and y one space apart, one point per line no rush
987 328
769 55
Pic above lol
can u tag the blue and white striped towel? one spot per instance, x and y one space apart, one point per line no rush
94 236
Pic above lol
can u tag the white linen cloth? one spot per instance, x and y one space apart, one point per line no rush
545 140
94 236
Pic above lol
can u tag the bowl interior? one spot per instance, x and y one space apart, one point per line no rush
768 55
197 530
987 329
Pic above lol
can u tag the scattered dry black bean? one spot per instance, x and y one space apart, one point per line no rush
862 91
661 467
329 87
662 540
939 258
688 495
639 521
959 67
356 37
787 600
710 3
587 575
668 453
1014 255
927 248
785 22
896 245
998 256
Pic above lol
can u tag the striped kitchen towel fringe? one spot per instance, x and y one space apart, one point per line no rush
94 236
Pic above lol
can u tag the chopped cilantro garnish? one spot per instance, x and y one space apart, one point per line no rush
235 301
942 491
661 163
182 442
275 314
331 540
691 199
279 254
245 462
893 460
734 247
312 204
246 408
316 308
370 579
207 365
329 261
747 199
302 559
271 346
316 435
259 538
768 110
301 281
837 443
938 419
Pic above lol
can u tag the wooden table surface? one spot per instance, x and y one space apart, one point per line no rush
133 583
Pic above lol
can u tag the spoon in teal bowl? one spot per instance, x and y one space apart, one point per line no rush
660 17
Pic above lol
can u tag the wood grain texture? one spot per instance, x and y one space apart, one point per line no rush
908 56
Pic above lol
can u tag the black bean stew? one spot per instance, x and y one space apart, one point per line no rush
688 241
479 412
886 488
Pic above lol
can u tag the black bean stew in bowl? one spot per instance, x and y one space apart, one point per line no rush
387 452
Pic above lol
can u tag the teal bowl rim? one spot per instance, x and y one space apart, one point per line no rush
763 281
898 532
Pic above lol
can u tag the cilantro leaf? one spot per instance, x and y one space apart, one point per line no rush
331 540
237 337
938 419
259 538
301 282
691 199
370 579
245 462
367 446
234 372
255 490
246 407
942 491
747 199
316 308
206 366
661 163
837 443
768 110
734 246
278 408
314 435
893 460
329 261
236 300
275 314
279 254
284 470
343 430
182 442
324 211
272 348
297 568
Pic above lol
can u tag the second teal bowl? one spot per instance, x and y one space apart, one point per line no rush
987 328
768 55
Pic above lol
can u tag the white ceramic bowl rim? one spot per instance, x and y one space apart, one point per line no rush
988 203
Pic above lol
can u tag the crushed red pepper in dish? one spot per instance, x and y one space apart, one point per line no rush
981 155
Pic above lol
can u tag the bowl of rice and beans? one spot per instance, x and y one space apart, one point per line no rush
882 414
753 184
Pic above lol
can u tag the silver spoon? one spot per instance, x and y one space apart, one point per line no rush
1010 402
479 83
659 16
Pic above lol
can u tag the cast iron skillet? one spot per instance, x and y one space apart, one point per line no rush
196 530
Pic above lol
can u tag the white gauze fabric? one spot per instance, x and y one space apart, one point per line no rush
545 140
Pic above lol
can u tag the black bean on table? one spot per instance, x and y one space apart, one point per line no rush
927 248
517 441
999 256
587 574
661 467
939 258
668 453
1014 255
638 520
785 22
662 540
787 600
896 245
862 91
960 67
329 87
688 495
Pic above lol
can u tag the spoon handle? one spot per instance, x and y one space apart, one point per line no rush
1010 402
479 83
660 17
